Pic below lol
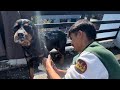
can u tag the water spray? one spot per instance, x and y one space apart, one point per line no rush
41 36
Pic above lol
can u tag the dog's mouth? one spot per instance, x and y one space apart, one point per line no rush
22 39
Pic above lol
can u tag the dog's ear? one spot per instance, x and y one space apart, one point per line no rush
14 27
15 24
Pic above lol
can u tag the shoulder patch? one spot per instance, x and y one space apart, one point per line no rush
81 66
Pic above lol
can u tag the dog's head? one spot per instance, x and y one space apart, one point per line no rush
23 32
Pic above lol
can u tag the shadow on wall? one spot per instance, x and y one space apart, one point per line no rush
8 19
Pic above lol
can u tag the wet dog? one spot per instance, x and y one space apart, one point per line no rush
56 39
26 34
36 44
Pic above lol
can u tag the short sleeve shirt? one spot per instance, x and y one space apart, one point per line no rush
94 68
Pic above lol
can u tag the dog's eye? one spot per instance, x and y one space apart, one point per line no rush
27 27
15 28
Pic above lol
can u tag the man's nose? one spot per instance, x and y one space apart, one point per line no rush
72 44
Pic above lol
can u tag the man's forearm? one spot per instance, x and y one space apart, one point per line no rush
61 72
52 74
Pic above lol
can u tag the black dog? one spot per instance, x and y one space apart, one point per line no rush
56 39
36 44
27 36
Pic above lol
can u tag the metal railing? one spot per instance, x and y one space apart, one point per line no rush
63 24
68 24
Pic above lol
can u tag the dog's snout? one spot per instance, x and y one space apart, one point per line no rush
20 34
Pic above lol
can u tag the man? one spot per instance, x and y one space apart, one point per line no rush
93 61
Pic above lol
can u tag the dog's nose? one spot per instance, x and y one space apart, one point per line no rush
20 34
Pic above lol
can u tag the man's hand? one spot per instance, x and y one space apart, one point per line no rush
50 68
47 61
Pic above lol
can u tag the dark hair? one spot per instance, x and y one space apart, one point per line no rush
85 26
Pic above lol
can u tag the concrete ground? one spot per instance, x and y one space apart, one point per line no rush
17 69
11 70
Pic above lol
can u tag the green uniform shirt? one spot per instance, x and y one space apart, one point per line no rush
106 57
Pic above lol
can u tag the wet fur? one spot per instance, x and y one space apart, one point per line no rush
33 43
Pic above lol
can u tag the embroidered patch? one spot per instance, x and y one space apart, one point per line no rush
81 66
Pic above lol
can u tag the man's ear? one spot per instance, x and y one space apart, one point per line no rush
80 33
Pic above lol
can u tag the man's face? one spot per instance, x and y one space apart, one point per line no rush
76 41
